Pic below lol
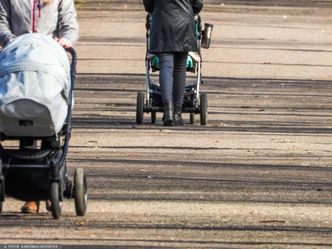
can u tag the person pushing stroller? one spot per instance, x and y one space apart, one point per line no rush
172 38
56 18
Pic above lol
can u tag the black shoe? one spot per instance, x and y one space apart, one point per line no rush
178 116
168 114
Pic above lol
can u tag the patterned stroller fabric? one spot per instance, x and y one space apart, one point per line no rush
34 87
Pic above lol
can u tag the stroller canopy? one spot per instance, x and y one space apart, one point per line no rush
34 86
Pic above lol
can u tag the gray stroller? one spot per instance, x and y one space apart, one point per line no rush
36 95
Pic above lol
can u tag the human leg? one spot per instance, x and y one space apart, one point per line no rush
32 207
179 75
29 207
166 64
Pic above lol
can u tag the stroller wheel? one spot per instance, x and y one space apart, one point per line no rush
192 118
153 117
2 186
1 196
203 108
80 192
140 107
55 200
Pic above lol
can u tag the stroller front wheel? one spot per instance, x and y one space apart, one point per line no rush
55 200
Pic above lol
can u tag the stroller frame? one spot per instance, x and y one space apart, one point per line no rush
41 174
150 100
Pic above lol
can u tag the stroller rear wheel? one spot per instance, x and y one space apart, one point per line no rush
140 107
192 118
203 108
80 192
55 200
153 117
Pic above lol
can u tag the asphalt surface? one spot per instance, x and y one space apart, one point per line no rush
259 175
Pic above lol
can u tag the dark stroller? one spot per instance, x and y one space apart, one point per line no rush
31 172
195 101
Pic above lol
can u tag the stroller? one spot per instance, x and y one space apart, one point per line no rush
194 102
36 97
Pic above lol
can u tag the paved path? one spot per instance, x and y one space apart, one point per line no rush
258 176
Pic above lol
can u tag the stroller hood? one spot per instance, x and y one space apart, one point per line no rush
34 86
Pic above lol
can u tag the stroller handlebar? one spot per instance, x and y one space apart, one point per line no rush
73 55
73 64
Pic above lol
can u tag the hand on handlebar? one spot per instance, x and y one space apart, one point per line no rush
64 42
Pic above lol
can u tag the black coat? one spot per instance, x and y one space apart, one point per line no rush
173 25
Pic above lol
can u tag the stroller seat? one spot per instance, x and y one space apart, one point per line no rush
191 62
